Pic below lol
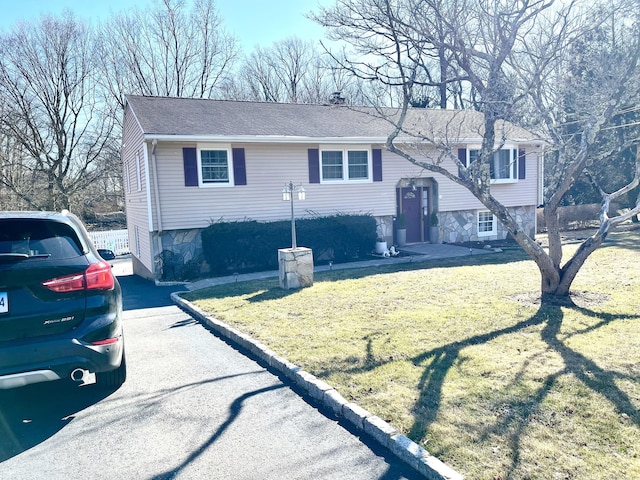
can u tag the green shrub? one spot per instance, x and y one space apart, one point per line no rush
252 246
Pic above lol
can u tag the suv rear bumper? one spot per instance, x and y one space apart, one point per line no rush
48 360
15 380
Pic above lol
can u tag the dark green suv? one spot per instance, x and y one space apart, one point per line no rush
60 304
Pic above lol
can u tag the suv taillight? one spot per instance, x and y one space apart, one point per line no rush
97 277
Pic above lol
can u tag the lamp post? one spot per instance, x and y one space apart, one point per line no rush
296 263
287 195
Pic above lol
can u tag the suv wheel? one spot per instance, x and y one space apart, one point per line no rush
113 378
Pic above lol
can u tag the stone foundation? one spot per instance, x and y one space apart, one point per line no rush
181 257
296 267
458 227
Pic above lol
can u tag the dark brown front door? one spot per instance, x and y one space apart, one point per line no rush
410 205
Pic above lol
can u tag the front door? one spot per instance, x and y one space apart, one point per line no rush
411 206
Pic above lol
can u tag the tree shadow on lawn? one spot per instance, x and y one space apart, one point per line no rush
597 379
629 239
442 359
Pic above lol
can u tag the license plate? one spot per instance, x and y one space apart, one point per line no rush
4 302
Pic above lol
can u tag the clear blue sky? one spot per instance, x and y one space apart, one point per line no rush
253 22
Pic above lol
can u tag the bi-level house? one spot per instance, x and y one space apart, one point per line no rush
188 162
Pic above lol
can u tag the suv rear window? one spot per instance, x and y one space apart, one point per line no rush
38 237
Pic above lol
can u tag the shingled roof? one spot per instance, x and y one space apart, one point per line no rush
204 118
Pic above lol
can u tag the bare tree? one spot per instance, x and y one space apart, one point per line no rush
413 35
168 51
15 176
54 128
507 57
583 106
261 82
291 70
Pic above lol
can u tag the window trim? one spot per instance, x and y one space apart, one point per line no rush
138 173
514 164
225 147
494 224
345 149
127 176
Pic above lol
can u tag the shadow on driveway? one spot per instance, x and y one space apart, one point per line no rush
139 293
31 414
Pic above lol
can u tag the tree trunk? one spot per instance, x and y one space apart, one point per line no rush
556 284
556 281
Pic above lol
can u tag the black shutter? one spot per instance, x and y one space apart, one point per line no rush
376 154
190 163
462 156
314 165
239 166
522 165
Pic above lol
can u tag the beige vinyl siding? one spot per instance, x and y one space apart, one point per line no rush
454 197
136 201
521 193
270 166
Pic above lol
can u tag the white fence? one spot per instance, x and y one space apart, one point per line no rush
116 240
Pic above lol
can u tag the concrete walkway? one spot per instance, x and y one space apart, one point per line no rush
417 252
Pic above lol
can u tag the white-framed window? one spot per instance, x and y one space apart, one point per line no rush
127 177
345 164
215 167
503 167
487 224
138 173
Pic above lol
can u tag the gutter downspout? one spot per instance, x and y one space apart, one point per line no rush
156 194
540 188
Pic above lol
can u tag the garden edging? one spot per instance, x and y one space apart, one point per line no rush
363 421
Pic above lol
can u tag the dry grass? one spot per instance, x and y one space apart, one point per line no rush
457 355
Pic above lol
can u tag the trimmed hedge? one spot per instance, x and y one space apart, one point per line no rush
252 246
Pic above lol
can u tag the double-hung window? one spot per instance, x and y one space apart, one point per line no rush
332 165
214 166
358 164
487 224
345 165
503 166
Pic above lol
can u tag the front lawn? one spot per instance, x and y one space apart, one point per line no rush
457 355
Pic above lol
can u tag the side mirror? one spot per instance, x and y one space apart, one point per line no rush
106 254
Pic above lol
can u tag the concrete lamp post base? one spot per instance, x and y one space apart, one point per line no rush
296 267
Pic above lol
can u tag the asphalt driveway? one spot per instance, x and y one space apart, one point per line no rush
193 407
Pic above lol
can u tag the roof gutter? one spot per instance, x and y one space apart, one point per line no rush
262 139
305 140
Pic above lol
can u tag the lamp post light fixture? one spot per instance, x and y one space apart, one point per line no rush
296 263
287 196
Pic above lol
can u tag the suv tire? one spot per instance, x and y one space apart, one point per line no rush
114 378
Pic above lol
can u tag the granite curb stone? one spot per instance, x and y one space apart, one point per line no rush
355 415
402 447
334 401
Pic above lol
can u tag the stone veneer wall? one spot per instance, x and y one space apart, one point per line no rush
458 227
295 267
181 257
